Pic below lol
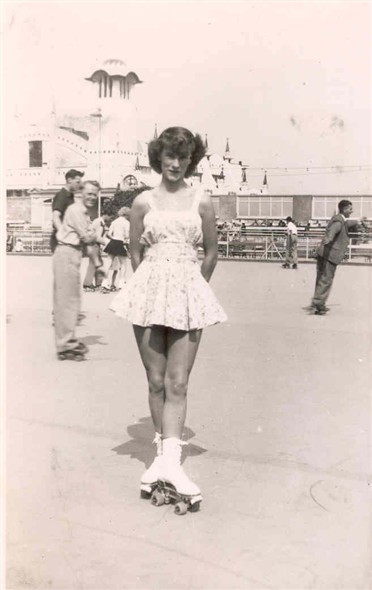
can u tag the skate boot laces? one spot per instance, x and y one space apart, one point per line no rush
157 439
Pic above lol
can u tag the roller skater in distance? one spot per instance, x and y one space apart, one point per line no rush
117 249
74 232
291 245
169 301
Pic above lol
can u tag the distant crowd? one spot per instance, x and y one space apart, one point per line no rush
235 227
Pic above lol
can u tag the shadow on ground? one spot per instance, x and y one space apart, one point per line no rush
93 339
140 447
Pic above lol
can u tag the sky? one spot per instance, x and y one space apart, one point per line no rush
289 83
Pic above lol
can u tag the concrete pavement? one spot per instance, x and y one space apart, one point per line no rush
279 426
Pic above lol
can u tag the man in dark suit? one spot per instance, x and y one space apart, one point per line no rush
330 253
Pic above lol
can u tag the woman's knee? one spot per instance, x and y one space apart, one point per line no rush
176 385
156 383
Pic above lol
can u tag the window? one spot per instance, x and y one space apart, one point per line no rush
277 208
326 207
287 207
264 207
331 207
35 150
130 180
242 206
366 207
318 208
254 207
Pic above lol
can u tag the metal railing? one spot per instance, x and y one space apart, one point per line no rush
28 243
234 244
271 245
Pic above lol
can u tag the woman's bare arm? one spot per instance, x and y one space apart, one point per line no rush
209 236
138 211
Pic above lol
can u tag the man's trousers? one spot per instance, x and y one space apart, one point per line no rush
325 272
66 295
291 250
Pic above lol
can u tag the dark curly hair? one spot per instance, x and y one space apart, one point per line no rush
343 204
179 141
108 208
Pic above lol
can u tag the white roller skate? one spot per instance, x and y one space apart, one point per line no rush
150 478
174 486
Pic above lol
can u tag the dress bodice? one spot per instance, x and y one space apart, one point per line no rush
173 227
168 287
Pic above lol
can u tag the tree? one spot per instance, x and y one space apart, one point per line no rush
126 198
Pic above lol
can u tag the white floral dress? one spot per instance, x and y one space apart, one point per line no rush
168 288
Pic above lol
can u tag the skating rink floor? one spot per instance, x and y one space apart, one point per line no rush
279 430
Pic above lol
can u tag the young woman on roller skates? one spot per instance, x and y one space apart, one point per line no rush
168 298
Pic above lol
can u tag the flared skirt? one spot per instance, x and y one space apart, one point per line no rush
169 293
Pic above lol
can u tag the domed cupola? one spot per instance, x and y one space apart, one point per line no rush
114 80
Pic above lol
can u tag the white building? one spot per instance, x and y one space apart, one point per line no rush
101 141
225 174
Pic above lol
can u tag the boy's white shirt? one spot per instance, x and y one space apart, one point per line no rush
119 229
292 229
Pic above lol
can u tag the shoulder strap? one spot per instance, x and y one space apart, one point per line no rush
199 192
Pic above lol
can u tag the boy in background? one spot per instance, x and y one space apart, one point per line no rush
95 273
291 245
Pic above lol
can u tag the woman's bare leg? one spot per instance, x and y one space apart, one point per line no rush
121 279
124 269
109 275
181 352
152 344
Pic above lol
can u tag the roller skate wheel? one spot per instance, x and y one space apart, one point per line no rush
180 508
145 495
71 356
195 507
157 499
82 348
65 356
79 357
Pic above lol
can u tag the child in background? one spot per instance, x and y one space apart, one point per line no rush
95 272
117 249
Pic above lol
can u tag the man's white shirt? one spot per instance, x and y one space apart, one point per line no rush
291 228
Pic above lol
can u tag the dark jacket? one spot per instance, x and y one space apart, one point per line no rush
61 201
333 246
